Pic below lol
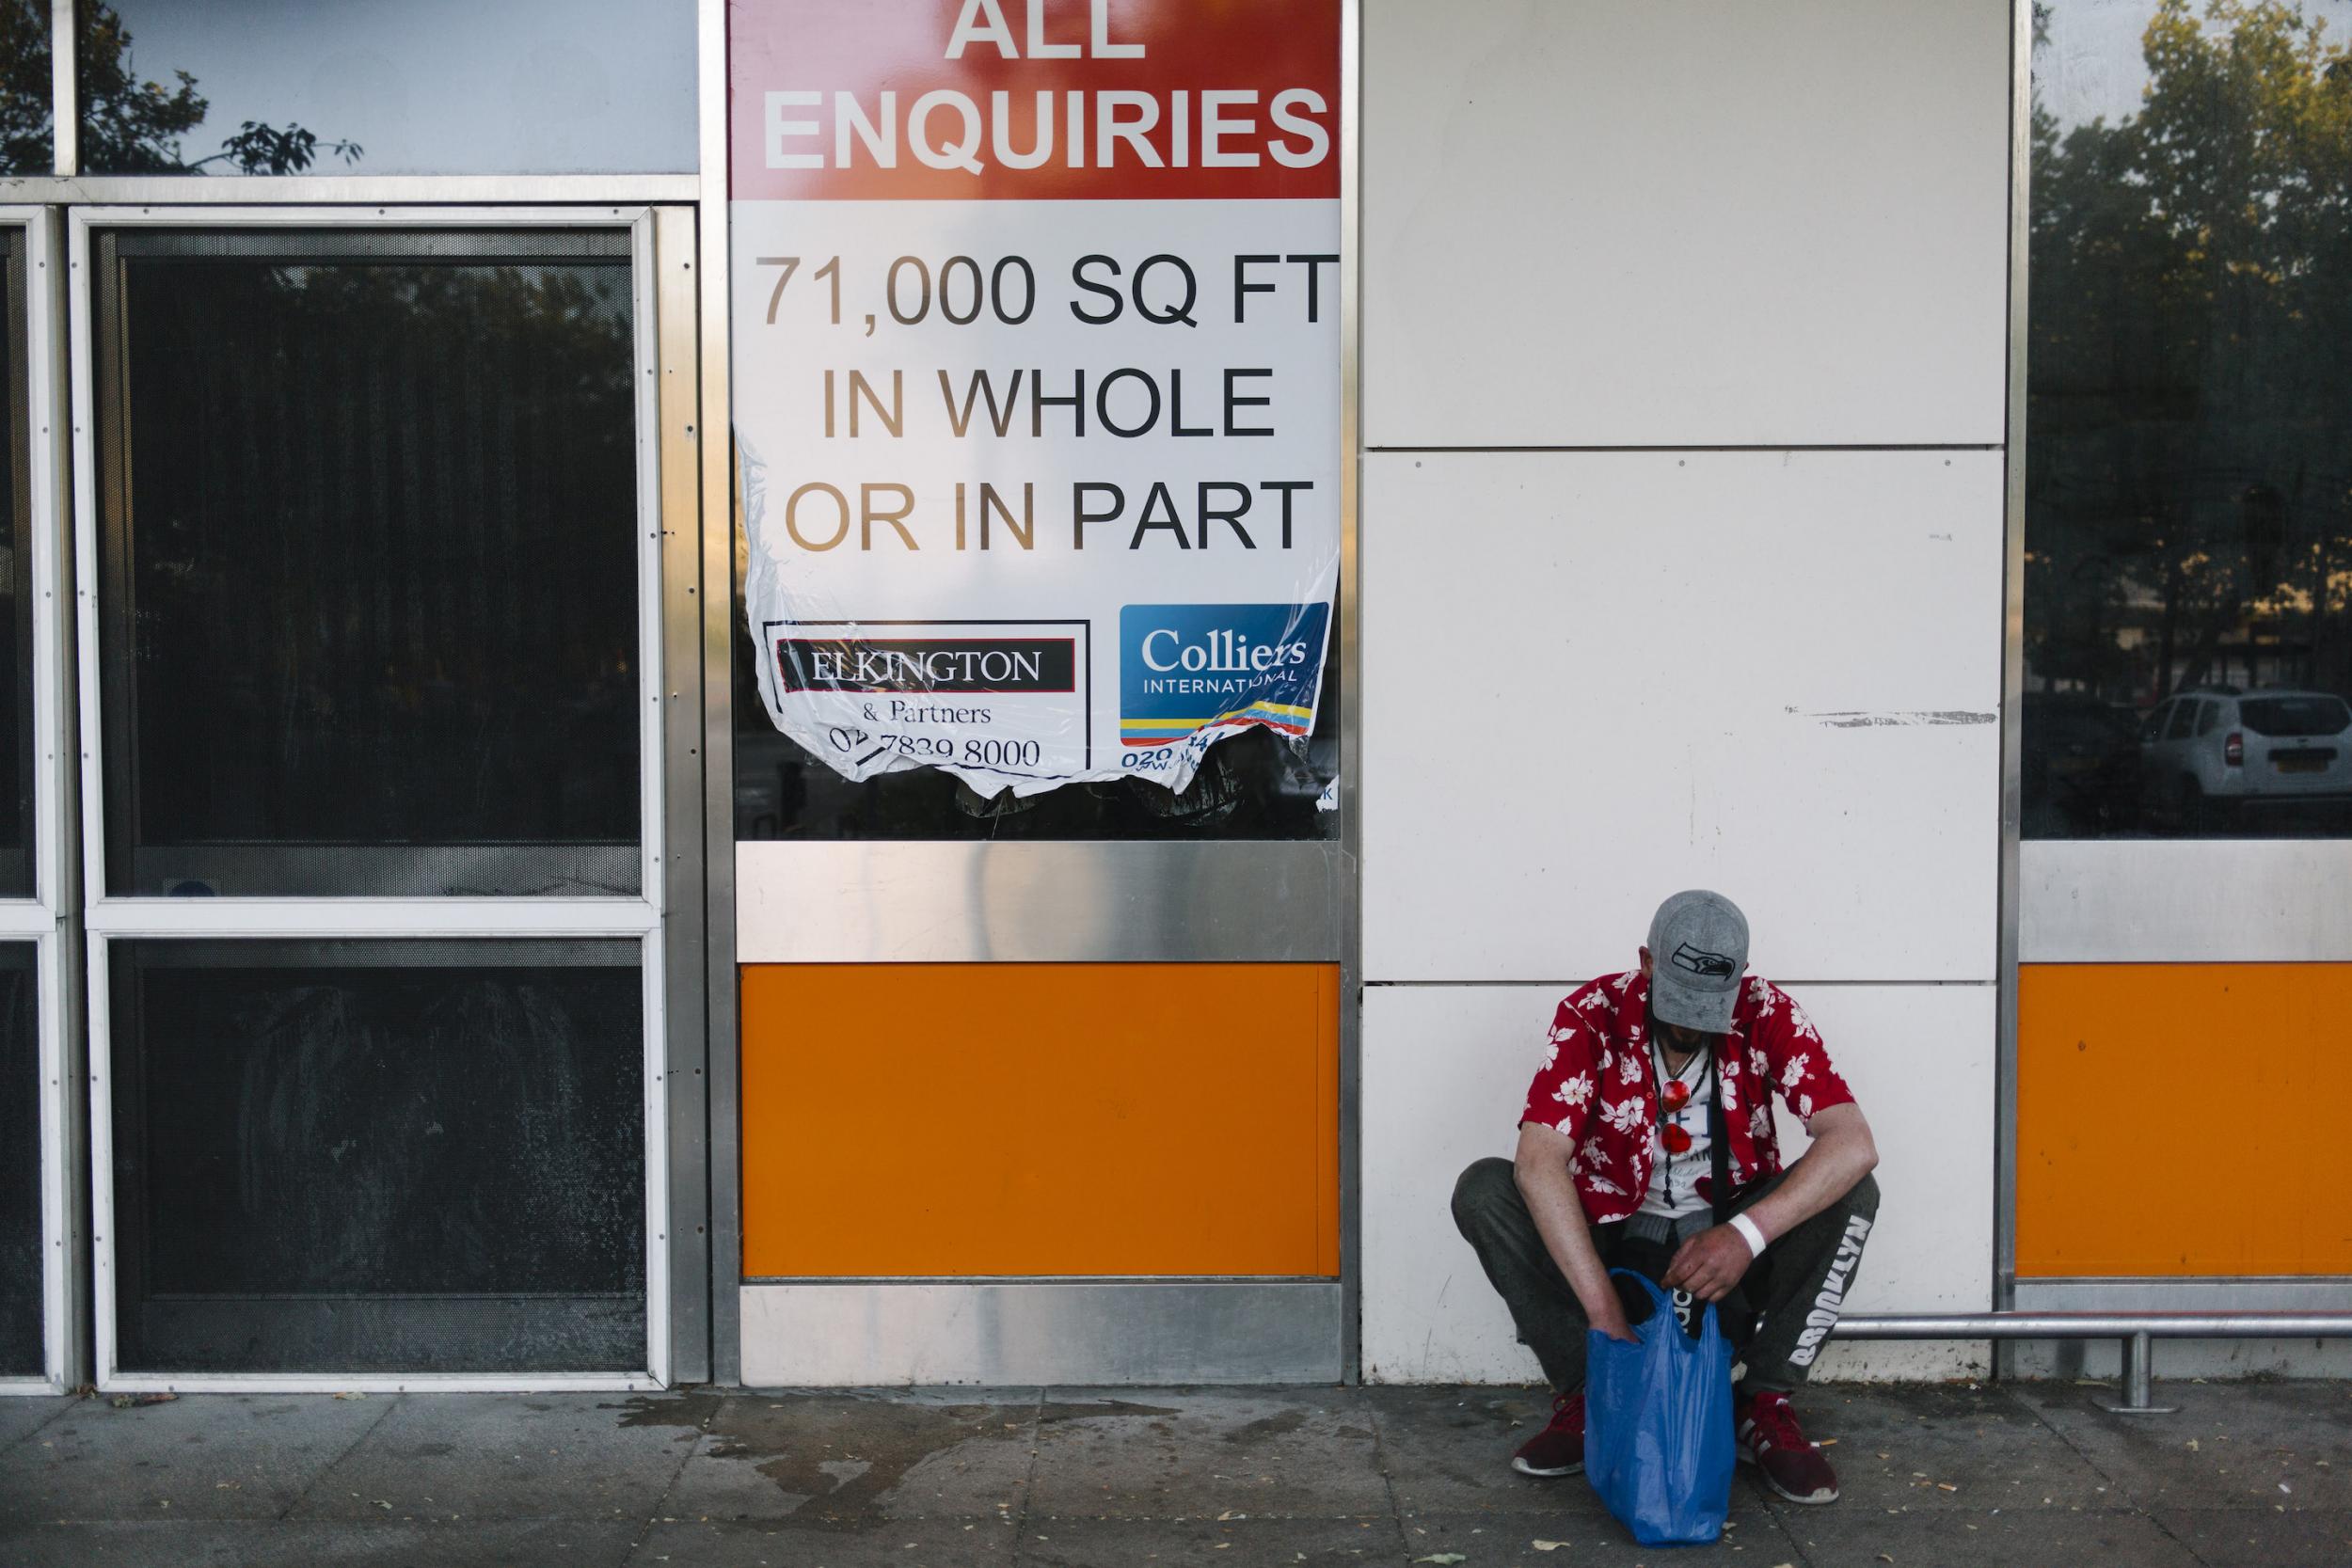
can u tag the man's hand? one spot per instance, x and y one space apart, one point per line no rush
1710 1263
1613 1321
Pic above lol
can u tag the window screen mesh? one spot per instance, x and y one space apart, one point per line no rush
16 573
21 1245
369 586
378 1156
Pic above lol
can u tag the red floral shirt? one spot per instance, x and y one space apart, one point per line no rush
1596 1087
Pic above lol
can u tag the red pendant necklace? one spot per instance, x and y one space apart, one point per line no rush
1674 1096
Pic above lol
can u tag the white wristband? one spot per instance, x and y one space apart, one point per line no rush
1749 1232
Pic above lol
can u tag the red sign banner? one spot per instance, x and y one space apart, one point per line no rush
1034 100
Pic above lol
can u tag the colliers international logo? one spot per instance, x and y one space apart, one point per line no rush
1189 667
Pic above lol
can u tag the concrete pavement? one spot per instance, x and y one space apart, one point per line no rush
2247 1473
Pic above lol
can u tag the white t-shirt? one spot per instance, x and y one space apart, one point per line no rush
1679 1173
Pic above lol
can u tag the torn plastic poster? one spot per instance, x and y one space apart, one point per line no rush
1036 382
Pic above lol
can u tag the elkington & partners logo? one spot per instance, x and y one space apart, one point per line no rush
1189 667
927 664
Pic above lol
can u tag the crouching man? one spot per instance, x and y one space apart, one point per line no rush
1648 1135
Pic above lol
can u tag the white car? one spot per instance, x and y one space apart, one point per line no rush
2217 747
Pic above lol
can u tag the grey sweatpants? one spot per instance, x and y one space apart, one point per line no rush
1798 1285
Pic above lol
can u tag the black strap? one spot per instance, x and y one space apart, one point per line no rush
1718 1143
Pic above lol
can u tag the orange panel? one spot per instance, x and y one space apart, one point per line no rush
2177 1120
1040 1119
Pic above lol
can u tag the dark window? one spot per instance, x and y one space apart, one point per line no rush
369 563
16 581
371 87
362 1156
21 1243
2208 715
2188 444
2286 718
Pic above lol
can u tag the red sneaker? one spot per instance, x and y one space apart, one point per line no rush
1559 1448
1771 1440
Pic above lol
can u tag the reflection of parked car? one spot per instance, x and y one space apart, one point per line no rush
2217 747
2080 761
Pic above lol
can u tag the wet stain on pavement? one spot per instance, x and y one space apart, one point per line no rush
1050 1413
846 1453
691 1413
1272 1426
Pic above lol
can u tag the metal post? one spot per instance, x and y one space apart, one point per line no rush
2139 1362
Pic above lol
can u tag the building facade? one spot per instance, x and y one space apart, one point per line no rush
576 825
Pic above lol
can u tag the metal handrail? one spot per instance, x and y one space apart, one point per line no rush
2137 1331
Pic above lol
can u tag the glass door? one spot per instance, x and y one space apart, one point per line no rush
372 556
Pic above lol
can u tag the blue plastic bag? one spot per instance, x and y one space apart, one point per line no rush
1658 1440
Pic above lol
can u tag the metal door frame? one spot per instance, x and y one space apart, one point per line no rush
662 244
44 919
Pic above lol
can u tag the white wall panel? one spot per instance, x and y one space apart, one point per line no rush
1590 679
1444 1068
1706 222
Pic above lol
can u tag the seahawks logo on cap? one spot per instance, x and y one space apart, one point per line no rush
1698 962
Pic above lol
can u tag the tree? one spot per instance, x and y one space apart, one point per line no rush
2189 444
129 126
24 88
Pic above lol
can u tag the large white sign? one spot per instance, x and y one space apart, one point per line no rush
1036 379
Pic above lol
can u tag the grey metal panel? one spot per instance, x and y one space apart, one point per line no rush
2248 1294
2186 901
717 539
1231 900
863 1333
678 448
66 896
338 190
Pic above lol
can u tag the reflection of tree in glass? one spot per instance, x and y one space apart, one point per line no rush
2190 500
24 88
386 572
128 126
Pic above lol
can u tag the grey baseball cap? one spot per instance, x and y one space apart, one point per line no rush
1698 949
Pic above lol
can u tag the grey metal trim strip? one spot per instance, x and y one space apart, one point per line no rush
2222 1296
62 880
1156 1281
71 962
1090 1332
724 1169
2219 900
1348 901
351 190
1229 900
678 451
2013 657
1568 983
